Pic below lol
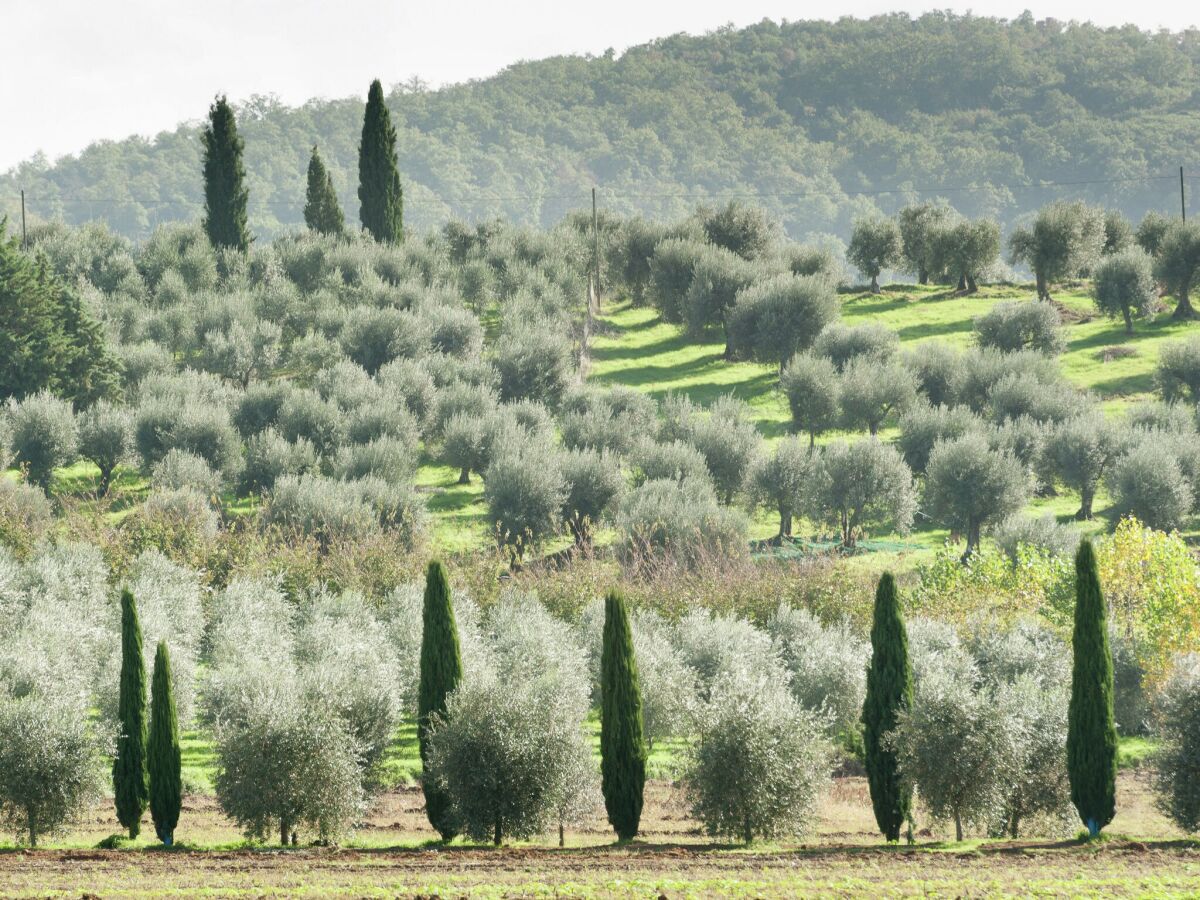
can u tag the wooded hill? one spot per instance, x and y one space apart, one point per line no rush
817 121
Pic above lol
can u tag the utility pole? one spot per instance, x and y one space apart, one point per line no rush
1182 196
24 239
596 248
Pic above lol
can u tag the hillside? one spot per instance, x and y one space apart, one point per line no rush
818 121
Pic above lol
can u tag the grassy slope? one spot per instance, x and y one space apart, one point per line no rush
634 347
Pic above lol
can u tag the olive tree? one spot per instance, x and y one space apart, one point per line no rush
968 485
511 757
1148 482
922 426
774 319
43 434
939 369
594 484
718 275
1151 231
842 343
959 745
106 438
1123 286
875 244
729 442
811 385
919 223
1178 370
674 461
671 275
282 765
871 390
746 230
1177 263
525 490
1021 325
51 764
759 762
1177 763
681 522
1079 452
855 487
780 480
1065 240
966 250
534 364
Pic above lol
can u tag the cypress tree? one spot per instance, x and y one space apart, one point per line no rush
322 212
163 757
622 746
441 671
225 191
380 196
130 785
889 689
1091 732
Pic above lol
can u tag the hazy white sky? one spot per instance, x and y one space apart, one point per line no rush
78 70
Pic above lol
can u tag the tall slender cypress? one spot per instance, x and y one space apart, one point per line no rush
889 689
130 783
164 762
322 212
441 671
1091 731
622 744
380 195
225 192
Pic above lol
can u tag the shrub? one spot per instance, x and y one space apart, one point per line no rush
25 515
678 521
1012 325
1043 533
759 762
828 666
510 757
282 765
872 390
1155 415
270 456
327 509
594 484
180 470
106 438
715 645
857 486
968 484
1178 370
1124 286
44 435
841 344
1176 770
1147 483
50 764
525 490
811 386
387 458
673 461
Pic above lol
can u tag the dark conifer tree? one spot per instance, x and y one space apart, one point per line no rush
164 762
441 671
622 745
322 212
380 195
225 192
889 689
1091 730
130 784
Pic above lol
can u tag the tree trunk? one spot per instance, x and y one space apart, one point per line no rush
812 442
962 282
1128 320
875 284
1014 826
1183 310
922 275
873 428
1086 495
562 838
958 834
497 833
972 541
785 523
1043 291
972 284
32 817
105 480
284 831
464 477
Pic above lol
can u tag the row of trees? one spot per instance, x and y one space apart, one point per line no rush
380 194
